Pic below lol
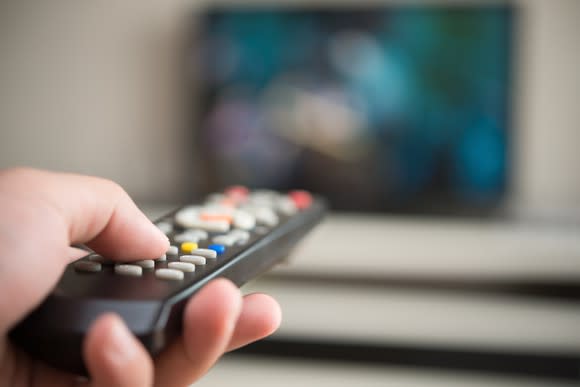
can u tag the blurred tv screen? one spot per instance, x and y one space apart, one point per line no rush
392 108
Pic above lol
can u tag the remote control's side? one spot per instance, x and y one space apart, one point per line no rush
236 235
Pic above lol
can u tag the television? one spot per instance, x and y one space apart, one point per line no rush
388 108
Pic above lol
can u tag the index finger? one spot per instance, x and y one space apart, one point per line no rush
43 213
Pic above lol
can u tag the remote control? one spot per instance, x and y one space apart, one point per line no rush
236 234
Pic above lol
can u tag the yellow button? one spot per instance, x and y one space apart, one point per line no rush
188 247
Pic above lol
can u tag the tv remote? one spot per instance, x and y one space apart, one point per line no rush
236 234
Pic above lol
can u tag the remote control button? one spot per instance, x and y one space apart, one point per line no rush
264 215
191 236
165 227
87 266
189 217
237 190
219 249
170 274
263 197
195 259
128 269
240 235
207 253
267 216
226 240
187 247
286 206
183 266
237 193
185 237
210 225
217 208
172 250
216 217
99 258
244 220
162 258
145 264
201 234
301 199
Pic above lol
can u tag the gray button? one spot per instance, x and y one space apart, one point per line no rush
162 258
87 266
244 220
226 240
210 225
127 269
170 274
242 236
207 253
184 237
264 215
190 236
145 264
286 206
195 259
183 266
172 250
99 258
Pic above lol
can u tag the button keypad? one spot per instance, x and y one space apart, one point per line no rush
208 234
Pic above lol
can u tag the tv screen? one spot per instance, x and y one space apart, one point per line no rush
393 108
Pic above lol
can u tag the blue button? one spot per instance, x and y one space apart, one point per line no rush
219 249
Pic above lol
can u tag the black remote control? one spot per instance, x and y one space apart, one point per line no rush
236 234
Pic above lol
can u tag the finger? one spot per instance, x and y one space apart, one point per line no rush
87 210
261 316
114 357
209 321
75 253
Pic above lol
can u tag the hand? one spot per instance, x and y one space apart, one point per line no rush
42 215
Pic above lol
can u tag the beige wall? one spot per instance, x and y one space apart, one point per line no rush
96 87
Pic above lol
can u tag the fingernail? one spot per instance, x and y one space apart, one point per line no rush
121 345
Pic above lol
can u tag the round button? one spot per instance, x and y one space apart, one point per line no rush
301 199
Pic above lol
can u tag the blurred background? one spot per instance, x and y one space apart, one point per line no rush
444 134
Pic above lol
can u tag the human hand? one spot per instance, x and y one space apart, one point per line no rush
43 214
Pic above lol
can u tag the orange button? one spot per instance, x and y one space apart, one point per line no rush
216 217
228 202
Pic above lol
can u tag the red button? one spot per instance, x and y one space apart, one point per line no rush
301 199
237 193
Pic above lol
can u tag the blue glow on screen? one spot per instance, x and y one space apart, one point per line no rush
393 108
